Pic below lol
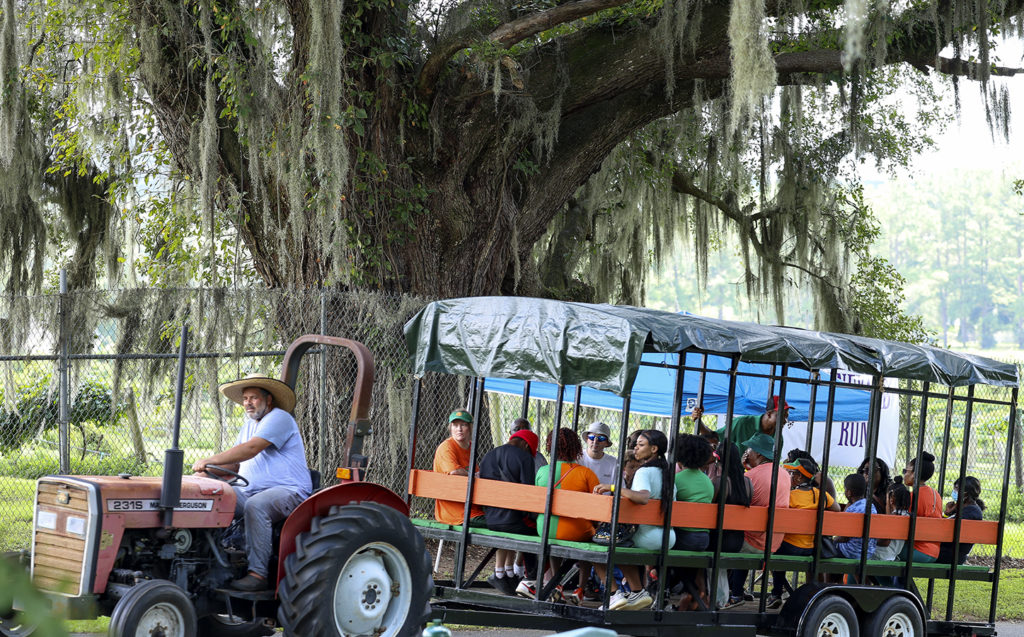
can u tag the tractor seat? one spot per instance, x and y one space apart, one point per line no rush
314 477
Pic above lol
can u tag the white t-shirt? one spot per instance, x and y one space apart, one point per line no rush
606 467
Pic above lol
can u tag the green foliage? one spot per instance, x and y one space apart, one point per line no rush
24 605
36 409
956 238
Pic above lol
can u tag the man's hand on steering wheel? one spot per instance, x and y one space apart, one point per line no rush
235 476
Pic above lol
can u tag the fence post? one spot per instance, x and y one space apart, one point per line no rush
321 461
1017 454
64 446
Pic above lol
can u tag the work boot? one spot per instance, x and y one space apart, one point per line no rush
250 583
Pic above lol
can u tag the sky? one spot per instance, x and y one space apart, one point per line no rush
968 143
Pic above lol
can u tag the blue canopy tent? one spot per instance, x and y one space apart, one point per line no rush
654 386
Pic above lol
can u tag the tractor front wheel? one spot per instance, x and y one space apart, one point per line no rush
360 570
154 608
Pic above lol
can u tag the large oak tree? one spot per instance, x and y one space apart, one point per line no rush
463 147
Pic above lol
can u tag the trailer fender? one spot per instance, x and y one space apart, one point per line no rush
864 599
320 503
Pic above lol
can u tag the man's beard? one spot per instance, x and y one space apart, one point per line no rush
258 414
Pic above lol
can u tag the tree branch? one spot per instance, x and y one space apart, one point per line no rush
507 35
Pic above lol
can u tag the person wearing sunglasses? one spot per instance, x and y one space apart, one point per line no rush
596 439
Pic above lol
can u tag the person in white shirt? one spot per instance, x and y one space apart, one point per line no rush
596 439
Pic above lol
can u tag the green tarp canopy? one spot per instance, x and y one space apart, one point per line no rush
600 346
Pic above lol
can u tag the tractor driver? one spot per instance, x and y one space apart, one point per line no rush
270 455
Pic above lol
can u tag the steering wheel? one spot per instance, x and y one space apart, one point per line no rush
235 477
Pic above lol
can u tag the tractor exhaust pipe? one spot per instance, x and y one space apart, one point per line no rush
174 458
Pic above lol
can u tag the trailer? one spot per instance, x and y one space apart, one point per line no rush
574 345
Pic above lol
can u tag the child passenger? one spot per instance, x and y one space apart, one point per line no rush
856 495
803 495
897 502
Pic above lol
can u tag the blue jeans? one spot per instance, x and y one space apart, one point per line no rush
260 511
779 577
691 540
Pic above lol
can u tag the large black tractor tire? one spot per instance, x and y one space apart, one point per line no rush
154 608
896 617
829 616
362 569
229 626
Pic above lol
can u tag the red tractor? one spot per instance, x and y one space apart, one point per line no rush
148 551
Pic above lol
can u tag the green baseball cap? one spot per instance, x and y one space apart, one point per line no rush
763 444
461 414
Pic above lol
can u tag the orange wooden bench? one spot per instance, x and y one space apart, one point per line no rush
428 484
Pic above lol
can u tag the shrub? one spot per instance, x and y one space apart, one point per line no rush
37 409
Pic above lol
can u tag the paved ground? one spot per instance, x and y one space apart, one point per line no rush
1005 629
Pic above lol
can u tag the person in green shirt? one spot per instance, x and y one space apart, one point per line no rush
744 427
692 485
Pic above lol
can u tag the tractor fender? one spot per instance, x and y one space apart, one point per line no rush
320 503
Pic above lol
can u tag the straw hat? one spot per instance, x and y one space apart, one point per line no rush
283 395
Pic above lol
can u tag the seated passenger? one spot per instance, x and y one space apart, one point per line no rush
511 462
652 481
597 438
929 505
856 495
452 457
569 476
522 424
965 495
759 457
736 488
897 502
692 485
803 495
879 487
796 454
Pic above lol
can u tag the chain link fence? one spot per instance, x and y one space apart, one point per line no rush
87 387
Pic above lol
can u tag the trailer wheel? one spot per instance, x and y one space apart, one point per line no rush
154 608
360 570
829 616
896 617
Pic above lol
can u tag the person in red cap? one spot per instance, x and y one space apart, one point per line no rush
511 462
744 427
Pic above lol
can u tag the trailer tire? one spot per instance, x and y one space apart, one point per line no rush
829 616
361 569
153 607
896 617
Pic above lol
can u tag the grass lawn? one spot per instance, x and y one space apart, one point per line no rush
16 496
971 599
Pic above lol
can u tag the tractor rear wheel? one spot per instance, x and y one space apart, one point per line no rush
154 608
360 570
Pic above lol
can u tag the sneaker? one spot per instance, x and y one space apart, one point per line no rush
774 601
617 599
502 584
747 596
557 595
576 597
733 602
527 588
592 594
638 600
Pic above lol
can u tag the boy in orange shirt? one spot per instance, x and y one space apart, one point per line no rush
452 457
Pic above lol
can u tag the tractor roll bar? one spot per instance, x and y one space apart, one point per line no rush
359 420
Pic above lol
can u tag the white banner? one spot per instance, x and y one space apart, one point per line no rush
849 439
